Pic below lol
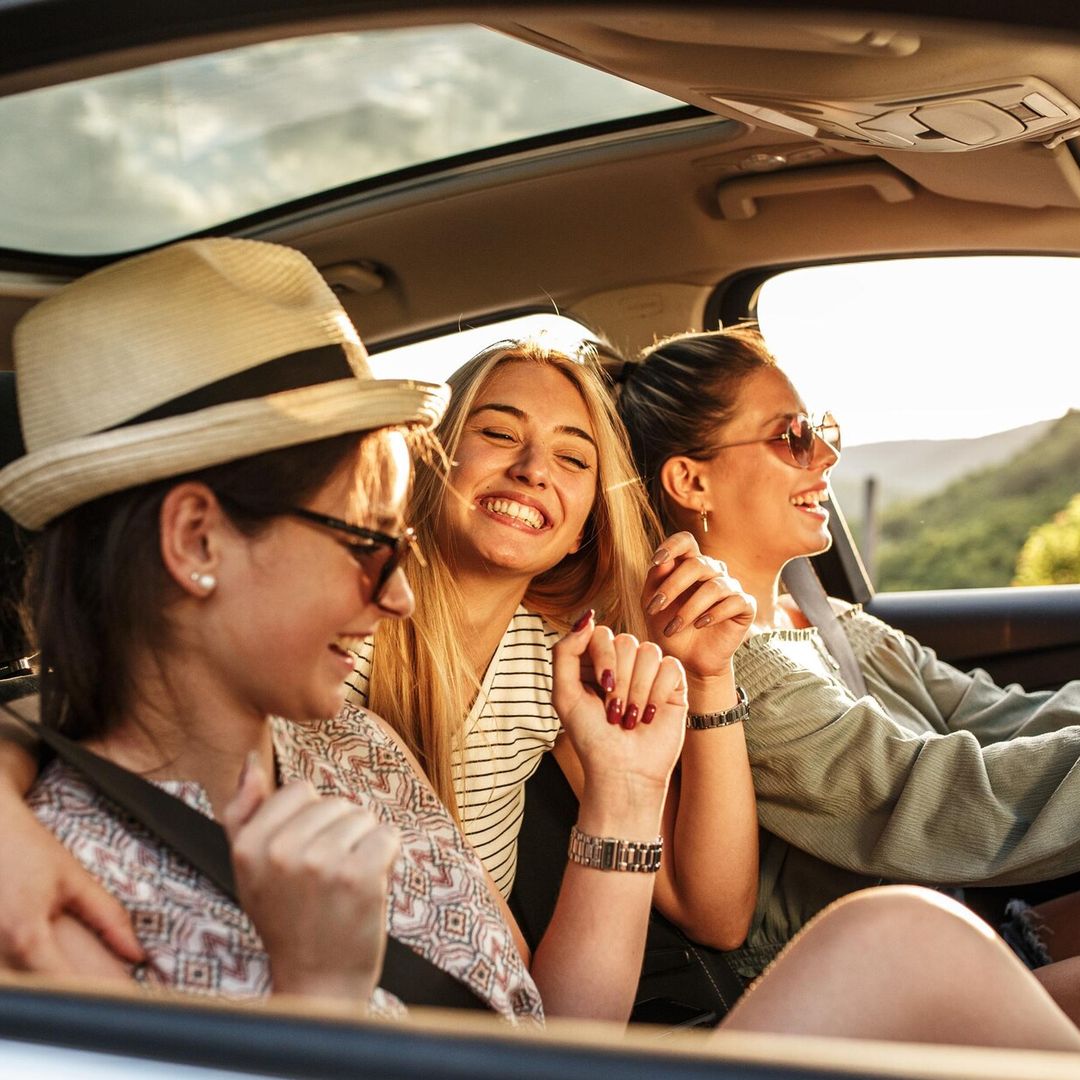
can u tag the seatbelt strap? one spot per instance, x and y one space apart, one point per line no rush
202 842
801 581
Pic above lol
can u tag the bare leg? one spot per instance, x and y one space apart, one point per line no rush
906 964
1062 982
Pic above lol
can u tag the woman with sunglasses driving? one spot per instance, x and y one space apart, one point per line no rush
922 773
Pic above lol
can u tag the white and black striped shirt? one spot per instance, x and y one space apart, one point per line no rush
510 726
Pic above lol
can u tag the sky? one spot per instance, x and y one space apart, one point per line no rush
929 348
936 348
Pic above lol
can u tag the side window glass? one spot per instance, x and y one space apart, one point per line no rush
956 381
433 359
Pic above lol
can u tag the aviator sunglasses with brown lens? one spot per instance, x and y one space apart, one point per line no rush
368 546
799 436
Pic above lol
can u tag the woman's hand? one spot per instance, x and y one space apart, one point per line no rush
622 703
694 609
313 875
42 887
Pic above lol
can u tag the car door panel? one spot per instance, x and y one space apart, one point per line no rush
1029 636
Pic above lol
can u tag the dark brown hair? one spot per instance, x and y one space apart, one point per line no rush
97 587
677 398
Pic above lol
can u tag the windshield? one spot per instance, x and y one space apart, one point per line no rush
140 157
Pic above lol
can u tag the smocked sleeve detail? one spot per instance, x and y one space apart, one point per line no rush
766 660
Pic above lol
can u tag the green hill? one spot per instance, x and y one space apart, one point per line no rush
968 534
914 468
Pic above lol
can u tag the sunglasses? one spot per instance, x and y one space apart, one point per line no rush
799 435
379 554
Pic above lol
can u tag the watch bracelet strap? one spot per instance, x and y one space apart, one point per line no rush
739 712
610 853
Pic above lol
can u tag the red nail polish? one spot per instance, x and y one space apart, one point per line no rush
582 622
614 711
648 714
629 719
607 680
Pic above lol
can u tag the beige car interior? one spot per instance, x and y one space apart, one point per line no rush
858 136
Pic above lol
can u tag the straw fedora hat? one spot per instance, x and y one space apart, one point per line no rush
189 356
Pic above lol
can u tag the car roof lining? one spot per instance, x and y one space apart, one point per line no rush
641 239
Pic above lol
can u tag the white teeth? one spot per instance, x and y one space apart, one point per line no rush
528 515
810 498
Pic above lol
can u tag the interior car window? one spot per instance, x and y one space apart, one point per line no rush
433 359
958 403
140 157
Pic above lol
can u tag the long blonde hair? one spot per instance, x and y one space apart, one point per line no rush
422 681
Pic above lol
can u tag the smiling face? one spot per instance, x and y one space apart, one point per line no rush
525 475
294 599
764 510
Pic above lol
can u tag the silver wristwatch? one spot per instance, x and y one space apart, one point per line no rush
739 712
607 853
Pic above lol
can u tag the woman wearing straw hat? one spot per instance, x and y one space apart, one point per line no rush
216 539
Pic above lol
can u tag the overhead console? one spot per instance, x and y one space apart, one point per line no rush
936 122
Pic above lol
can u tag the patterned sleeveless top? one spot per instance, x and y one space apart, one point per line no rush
196 939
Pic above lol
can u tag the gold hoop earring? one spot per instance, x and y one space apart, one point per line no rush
704 521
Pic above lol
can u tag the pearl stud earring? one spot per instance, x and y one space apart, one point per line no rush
204 581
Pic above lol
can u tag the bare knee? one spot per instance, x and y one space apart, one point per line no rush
906 912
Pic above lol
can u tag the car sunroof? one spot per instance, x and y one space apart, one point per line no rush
136 158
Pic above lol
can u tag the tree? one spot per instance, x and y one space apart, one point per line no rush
1051 553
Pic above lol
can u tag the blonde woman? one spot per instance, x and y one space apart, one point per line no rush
544 516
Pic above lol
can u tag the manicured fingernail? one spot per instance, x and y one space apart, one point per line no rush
661 555
703 621
607 680
630 717
614 711
656 604
582 621
648 713
674 626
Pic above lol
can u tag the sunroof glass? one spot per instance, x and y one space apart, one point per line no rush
139 157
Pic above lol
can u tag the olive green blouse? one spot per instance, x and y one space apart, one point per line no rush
936 776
